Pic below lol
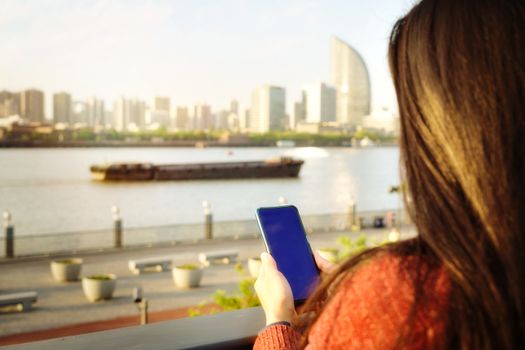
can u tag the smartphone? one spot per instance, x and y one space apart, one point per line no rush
285 239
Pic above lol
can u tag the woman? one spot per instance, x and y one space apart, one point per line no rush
459 72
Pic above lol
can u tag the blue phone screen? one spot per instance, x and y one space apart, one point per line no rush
286 241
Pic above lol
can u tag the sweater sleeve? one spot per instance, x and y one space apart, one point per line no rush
277 337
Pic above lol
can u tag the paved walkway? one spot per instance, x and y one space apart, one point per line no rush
63 304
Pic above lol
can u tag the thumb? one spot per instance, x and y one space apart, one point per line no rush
268 261
324 265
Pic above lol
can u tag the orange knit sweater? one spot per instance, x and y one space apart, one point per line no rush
369 310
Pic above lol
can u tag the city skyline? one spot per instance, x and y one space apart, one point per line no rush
148 49
347 101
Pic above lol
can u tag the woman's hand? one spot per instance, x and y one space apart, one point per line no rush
274 292
324 265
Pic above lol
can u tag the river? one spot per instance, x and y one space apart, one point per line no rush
50 190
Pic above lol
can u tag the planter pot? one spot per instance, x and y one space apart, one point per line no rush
330 254
99 287
66 270
254 265
185 277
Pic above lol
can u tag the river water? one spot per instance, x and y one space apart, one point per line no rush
50 190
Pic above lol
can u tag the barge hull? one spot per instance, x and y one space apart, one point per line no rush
284 168
206 172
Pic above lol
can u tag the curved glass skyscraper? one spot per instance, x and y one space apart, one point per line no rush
349 76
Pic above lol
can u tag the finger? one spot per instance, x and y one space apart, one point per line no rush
262 269
256 284
268 261
323 264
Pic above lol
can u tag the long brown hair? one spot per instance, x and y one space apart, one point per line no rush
459 72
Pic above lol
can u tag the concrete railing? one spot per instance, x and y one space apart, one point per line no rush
227 330
19 245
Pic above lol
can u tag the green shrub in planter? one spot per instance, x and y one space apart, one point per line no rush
67 261
188 267
100 277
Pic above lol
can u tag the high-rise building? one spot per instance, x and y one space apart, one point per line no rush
234 106
383 121
80 113
121 114
95 112
268 109
299 111
129 114
221 121
162 104
349 76
182 120
202 117
158 118
32 105
244 121
138 113
161 111
108 119
233 122
9 104
62 108
320 103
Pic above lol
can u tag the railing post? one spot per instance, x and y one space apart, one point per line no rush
117 227
142 305
352 207
9 235
391 219
208 220
144 312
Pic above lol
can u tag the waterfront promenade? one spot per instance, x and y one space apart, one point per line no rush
63 304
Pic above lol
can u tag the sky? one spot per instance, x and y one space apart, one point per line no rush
194 51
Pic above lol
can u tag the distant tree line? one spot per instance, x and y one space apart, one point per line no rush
48 136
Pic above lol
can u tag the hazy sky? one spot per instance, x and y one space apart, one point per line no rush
193 51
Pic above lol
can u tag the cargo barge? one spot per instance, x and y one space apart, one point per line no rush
272 168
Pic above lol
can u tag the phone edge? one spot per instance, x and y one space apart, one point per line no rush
299 301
